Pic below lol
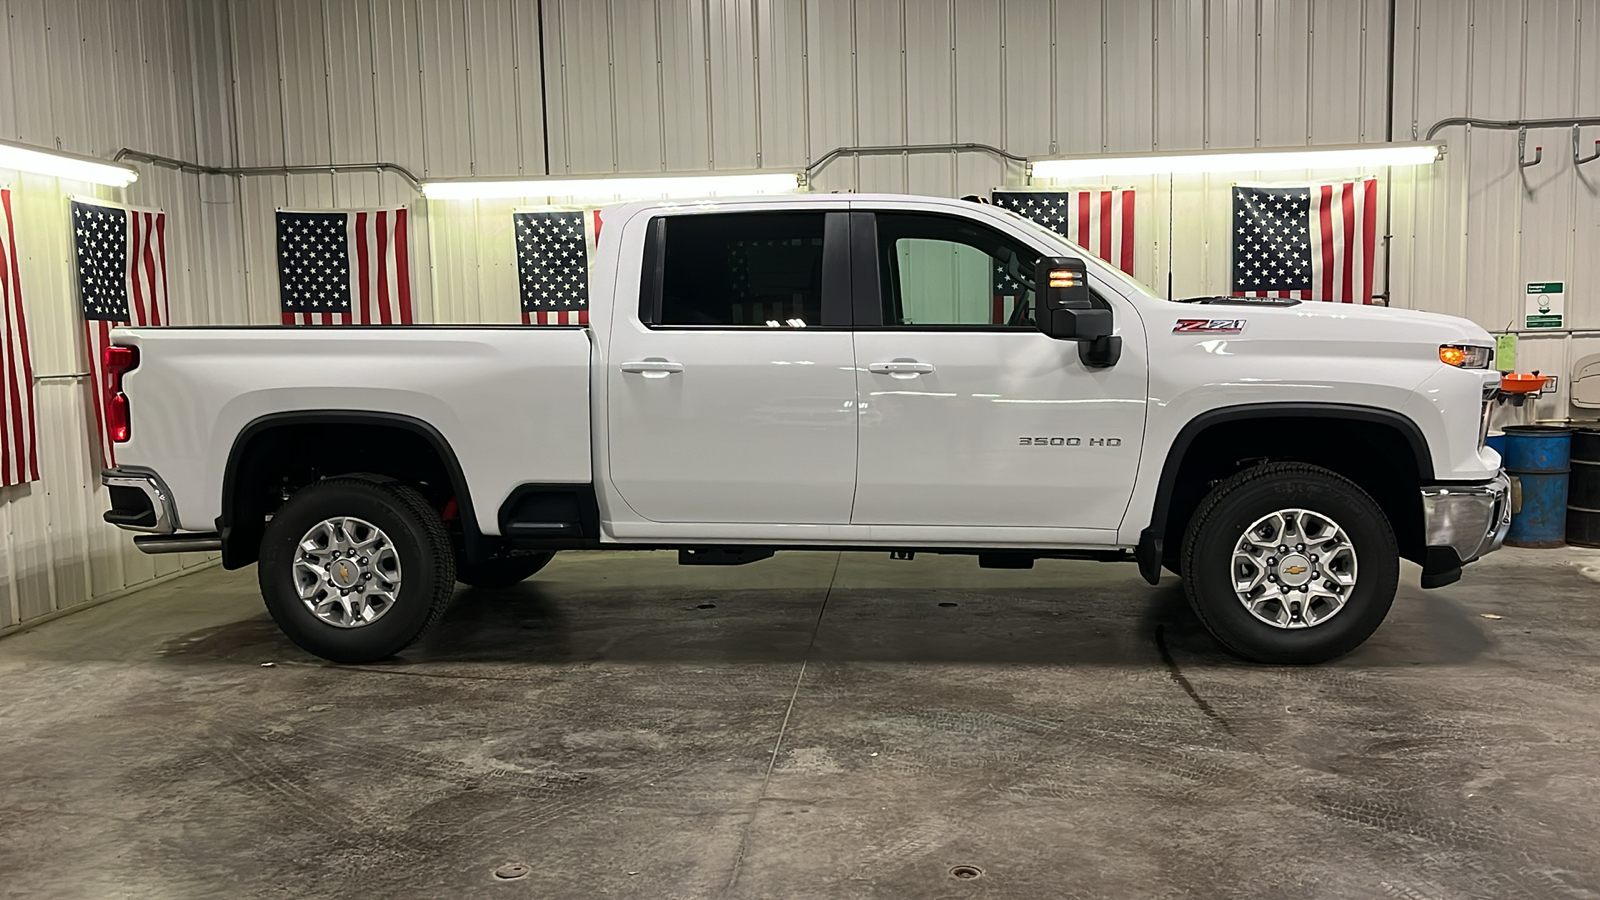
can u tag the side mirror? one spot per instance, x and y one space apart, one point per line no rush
1067 312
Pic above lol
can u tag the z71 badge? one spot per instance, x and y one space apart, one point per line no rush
1209 326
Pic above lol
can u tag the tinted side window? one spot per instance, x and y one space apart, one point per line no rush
942 270
743 269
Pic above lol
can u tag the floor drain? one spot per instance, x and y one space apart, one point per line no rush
511 871
947 604
706 606
966 873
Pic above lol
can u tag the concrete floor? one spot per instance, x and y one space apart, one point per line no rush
815 725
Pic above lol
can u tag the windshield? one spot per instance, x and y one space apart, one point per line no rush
1108 270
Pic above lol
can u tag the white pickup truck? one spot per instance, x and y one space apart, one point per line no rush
852 372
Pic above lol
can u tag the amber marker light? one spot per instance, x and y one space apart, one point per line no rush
1465 356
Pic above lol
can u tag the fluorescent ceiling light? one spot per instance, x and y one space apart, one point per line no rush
1344 156
64 165
614 187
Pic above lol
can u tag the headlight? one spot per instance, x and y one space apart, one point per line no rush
1466 356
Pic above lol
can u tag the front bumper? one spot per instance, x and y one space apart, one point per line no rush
1460 524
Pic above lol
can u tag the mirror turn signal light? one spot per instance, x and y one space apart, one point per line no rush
1063 278
1466 356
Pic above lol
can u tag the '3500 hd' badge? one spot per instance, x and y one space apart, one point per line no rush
1209 326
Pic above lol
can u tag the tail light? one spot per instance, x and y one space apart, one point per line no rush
117 362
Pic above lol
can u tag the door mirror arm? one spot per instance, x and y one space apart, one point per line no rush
1068 312
1100 353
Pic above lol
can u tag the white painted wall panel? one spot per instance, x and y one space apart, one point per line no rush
492 87
352 98
682 91
1025 55
1180 69
1283 92
881 107
780 41
1338 50
588 96
831 74
529 80
1078 71
638 107
1129 85
979 93
1232 73
442 49
735 125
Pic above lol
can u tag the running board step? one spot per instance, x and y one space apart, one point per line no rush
723 556
543 529
191 542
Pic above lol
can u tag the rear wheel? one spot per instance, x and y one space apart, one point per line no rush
1290 563
502 573
355 570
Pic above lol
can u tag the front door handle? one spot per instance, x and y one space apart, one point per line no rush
654 367
901 368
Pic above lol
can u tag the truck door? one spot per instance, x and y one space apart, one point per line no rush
969 415
731 388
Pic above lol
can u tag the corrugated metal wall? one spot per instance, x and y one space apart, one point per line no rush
456 87
460 87
90 76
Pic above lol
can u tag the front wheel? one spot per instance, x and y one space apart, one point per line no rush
354 570
1290 563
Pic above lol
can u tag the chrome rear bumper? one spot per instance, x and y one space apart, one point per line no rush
140 501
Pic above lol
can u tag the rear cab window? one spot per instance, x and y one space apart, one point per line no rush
744 270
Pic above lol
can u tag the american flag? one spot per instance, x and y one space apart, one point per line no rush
351 267
1099 221
19 456
1312 242
122 280
553 266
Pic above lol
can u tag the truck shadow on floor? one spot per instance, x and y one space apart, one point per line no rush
536 625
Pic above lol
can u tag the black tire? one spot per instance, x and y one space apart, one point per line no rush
1246 497
494 574
421 544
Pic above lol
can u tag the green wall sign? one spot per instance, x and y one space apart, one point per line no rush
1544 302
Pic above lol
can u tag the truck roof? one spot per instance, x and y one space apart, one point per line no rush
792 199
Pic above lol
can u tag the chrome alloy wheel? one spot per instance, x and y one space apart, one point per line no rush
347 572
1294 568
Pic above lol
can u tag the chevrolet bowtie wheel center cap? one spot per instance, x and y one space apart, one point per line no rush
1294 568
347 572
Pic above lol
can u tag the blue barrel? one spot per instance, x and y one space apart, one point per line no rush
1496 441
1539 457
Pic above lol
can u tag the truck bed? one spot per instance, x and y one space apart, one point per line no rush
484 389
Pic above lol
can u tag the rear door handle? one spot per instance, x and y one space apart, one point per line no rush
654 367
902 368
